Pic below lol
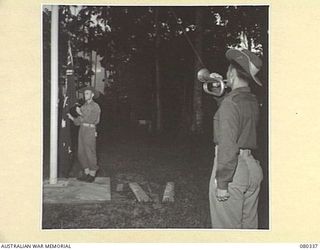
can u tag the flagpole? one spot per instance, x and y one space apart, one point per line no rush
54 96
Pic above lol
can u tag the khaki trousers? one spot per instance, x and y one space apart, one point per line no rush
240 210
87 155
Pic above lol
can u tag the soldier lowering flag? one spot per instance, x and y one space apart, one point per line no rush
66 128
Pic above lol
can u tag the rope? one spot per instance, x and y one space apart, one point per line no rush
188 39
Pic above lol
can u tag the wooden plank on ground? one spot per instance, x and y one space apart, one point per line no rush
168 195
138 192
119 187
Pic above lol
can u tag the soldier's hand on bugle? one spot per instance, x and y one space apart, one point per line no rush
216 75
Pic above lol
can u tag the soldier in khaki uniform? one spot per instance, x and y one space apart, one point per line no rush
89 117
236 175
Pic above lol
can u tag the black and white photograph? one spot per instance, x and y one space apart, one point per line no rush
155 117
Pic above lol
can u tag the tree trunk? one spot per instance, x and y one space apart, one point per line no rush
185 121
95 69
157 71
197 116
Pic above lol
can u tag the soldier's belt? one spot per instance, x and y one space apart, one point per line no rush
88 125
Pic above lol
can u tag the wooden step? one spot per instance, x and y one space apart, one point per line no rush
78 191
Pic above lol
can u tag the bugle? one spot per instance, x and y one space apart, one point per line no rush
212 84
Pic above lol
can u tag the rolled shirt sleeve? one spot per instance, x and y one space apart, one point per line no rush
228 125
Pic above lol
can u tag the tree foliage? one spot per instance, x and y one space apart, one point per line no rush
125 39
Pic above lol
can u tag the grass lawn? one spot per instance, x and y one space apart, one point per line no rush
151 162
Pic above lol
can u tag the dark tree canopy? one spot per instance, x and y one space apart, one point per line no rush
125 39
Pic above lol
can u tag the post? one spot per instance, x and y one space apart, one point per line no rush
95 70
54 96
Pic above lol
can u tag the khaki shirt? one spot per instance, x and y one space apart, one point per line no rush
90 114
235 125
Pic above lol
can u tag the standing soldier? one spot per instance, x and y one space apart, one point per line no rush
236 175
89 117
